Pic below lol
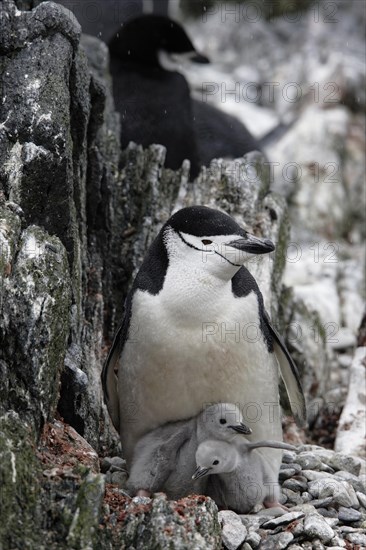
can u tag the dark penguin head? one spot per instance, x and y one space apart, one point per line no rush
205 239
141 40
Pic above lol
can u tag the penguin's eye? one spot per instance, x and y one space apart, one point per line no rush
222 421
215 462
206 241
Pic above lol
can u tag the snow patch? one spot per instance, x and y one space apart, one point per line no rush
13 467
32 151
13 168
4 242
34 84
32 248
45 117
2 124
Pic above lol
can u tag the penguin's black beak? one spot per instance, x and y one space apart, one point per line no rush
241 429
200 472
199 58
253 244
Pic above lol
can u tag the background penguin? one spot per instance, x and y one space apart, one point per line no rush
192 280
164 459
219 135
239 476
155 103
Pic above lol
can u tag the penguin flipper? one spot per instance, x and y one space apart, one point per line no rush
109 373
290 376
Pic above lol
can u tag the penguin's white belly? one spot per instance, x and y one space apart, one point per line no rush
170 370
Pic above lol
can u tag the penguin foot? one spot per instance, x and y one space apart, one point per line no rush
143 493
275 507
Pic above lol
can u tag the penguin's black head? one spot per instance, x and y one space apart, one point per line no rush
141 39
202 234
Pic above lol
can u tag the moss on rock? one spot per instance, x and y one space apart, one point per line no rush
19 482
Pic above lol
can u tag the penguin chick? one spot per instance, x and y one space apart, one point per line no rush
240 477
191 289
165 458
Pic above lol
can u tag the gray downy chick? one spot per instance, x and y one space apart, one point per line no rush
164 459
239 476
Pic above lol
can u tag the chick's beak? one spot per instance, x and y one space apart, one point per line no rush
200 472
252 244
241 429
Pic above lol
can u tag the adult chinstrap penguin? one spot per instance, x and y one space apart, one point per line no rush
166 368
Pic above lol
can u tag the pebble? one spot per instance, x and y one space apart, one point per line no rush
291 466
251 522
317 545
253 538
297 529
118 461
333 522
328 513
114 468
292 496
309 461
110 465
282 520
233 530
321 502
312 475
341 491
362 498
286 473
357 538
338 542
105 464
277 542
348 515
119 478
295 484
316 527
351 478
288 457
339 461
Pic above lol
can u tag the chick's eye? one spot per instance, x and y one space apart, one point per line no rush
206 241
222 421
215 462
